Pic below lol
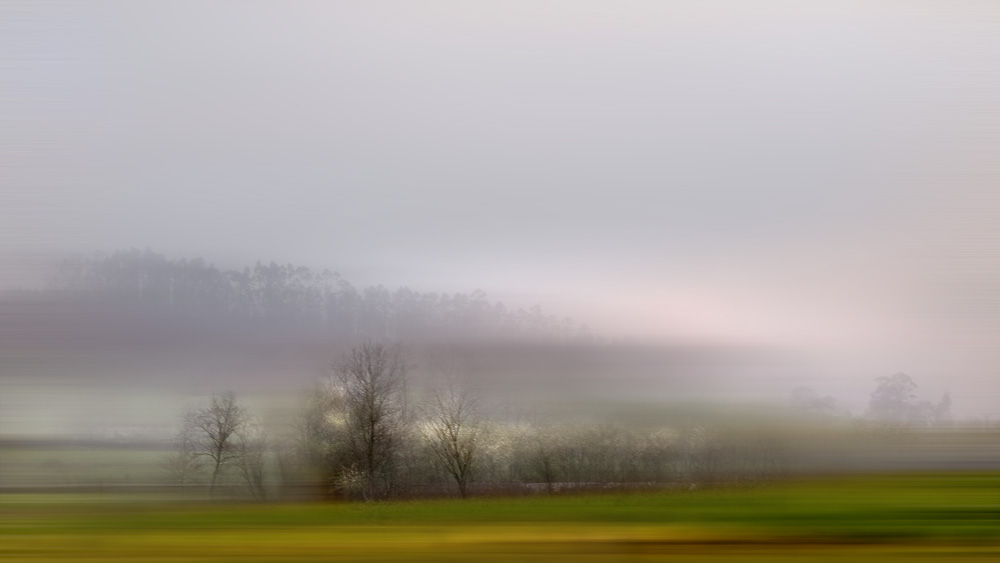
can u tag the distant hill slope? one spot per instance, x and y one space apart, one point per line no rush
285 298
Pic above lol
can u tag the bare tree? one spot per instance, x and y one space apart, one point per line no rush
215 427
372 377
251 448
184 463
451 430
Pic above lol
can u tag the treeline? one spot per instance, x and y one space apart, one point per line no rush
365 433
282 297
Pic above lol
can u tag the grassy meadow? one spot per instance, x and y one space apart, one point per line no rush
890 517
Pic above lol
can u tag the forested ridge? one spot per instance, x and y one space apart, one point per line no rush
285 296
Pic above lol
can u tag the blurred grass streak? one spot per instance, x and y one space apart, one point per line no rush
916 517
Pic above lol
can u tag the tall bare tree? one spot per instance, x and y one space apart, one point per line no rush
372 377
452 431
214 430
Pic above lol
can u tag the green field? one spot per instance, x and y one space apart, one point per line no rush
909 517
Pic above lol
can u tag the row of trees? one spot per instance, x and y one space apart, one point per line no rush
364 434
360 436
284 296
352 434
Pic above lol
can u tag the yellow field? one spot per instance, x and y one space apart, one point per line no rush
913 518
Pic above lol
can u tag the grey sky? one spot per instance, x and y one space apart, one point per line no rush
819 175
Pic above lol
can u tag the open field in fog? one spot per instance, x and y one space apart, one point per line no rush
886 517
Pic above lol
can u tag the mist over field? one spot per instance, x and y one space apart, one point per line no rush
440 280
665 215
